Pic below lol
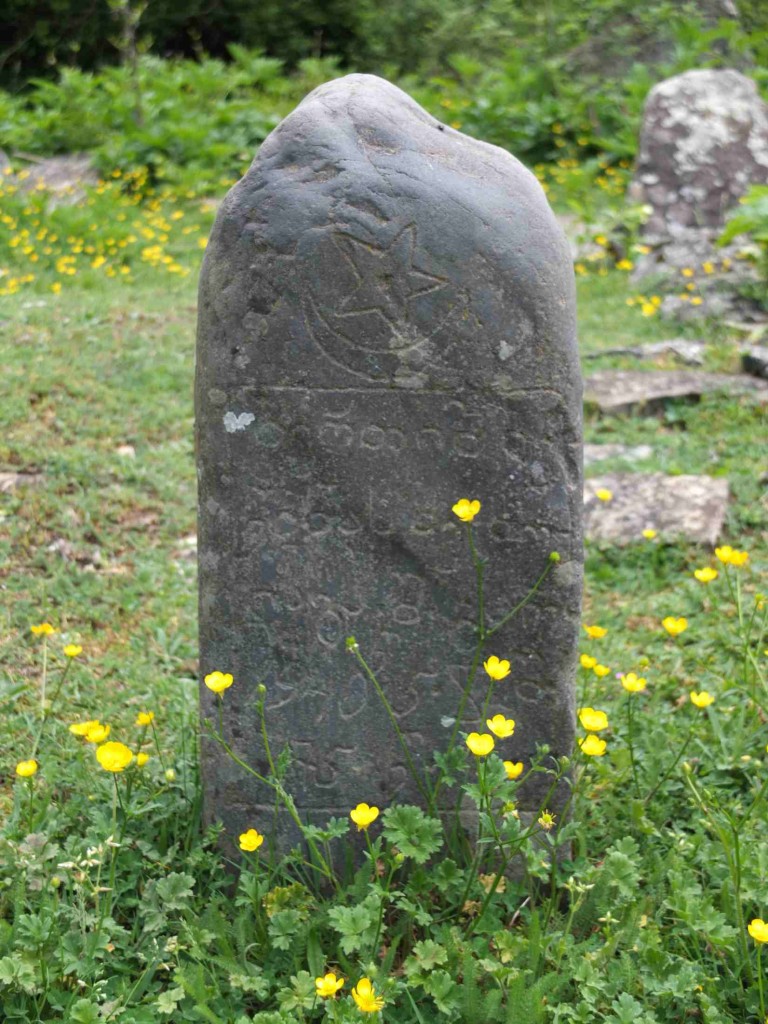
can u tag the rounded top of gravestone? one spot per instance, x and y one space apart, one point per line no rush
370 241
704 141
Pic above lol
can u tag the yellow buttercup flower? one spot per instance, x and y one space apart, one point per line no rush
730 556
363 816
465 509
702 699
603 494
145 718
758 929
592 745
595 632
365 996
81 728
649 534
592 720
633 683
587 661
44 629
501 726
141 759
73 650
496 669
601 670
480 744
113 757
675 626
328 985
97 732
705 575
546 820
251 840
26 769
218 681
514 769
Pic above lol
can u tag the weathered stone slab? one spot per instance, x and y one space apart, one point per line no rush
621 391
754 360
600 452
10 482
683 349
386 325
692 507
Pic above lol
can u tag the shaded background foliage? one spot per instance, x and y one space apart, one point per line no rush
401 36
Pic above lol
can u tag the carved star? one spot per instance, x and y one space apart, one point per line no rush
387 281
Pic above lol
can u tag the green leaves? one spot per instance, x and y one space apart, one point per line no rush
414 833
356 925
283 926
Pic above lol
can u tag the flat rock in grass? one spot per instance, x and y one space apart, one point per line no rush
621 391
600 452
754 360
63 177
387 325
10 482
683 349
691 507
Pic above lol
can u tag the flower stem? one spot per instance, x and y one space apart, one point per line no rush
672 766
480 574
630 744
760 980
45 677
322 866
415 775
521 604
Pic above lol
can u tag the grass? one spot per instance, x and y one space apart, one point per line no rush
647 924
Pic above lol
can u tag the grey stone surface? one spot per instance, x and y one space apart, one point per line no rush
704 141
619 391
600 452
12 481
693 507
63 177
683 349
754 360
386 325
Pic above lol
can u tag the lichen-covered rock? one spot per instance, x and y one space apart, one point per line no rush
387 324
704 141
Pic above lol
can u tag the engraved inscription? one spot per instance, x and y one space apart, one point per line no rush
381 304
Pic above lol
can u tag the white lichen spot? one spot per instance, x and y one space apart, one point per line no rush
505 350
233 423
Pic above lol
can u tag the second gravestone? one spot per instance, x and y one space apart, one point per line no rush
387 325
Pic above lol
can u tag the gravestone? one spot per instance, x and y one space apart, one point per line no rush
386 325
704 141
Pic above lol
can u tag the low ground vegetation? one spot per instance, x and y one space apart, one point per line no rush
644 904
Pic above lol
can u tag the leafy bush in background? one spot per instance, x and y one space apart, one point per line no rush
399 37
184 120
196 120
750 218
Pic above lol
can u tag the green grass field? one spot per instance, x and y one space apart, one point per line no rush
646 922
